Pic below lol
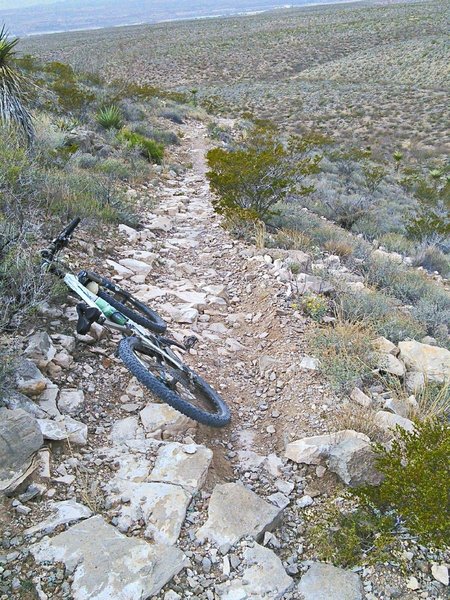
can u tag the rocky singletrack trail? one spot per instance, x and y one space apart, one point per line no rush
157 505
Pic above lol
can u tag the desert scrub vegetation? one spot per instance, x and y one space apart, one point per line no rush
345 354
416 485
80 164
260 170
109 117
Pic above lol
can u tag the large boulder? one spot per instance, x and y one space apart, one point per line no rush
347 453
432 361
106 564
388 421
20 438
325 582
235 512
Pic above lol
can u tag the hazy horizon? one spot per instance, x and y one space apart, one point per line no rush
33 17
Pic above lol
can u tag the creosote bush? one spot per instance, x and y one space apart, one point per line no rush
416 485
351 537
261 170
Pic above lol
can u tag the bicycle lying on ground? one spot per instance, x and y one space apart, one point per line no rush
145 352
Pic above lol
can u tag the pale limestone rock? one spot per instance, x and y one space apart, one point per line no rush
119 269
440 573
138 267
360 398
62 513
310 363
165 418
47 400
161 506
263 578
385 346
388 421
182 464
64 428
14 400
106 564
347 453
129 232
234 512
70 401
40 349
432 361
388 363
125 429
325 582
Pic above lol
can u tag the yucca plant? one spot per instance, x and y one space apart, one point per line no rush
12 107
110 117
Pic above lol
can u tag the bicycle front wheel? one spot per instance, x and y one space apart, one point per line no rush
181 389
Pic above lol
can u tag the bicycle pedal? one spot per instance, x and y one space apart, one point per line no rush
86 317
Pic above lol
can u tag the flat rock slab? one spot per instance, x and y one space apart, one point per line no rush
64 428
263 577
126 429
161 506
107 565
63 512
20 438
182 464
234 512
326 582
162 417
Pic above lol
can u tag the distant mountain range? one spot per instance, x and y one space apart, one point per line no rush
52 15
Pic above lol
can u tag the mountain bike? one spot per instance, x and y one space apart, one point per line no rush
145 351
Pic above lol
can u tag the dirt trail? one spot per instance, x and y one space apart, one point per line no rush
252 343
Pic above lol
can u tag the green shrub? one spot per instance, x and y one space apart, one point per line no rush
109 117
259 172
366 306
153 151
314 306
416 485
345 354
353 537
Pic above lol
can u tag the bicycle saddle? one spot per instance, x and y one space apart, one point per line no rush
86 316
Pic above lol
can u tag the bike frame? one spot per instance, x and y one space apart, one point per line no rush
129 328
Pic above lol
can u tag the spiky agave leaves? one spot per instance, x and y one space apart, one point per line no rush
12 107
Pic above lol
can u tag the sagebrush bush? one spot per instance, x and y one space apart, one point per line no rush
416 485
432 259
345 353
398 326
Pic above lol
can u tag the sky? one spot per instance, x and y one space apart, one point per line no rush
22 3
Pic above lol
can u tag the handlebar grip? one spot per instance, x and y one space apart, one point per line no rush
71 227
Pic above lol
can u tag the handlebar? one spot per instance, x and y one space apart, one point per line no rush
61 240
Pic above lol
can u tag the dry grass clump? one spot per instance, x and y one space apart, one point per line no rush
345 354
358 418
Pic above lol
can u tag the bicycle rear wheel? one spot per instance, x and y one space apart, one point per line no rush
181 389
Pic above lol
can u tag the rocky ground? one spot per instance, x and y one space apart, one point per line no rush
129 499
